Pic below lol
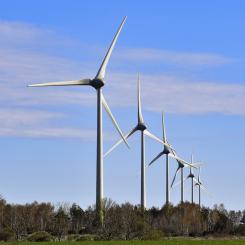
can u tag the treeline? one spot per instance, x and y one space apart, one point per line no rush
44 221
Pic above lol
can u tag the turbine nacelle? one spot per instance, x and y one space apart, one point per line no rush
181 165
97 83
141 127
198 183
166 150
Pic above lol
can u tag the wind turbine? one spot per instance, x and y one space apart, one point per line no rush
200 186
140 126
191 176
180 167
97 83
169 152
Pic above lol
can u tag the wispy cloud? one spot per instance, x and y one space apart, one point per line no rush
20 66
52 132
178 58
177 95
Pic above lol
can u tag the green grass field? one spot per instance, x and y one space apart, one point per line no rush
162 242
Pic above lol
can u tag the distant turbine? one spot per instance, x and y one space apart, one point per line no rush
97 83
169 152
192 176
181 167
200 186
143 130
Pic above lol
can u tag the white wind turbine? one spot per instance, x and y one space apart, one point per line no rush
200 186
140 126
190 176
169 152
181 167
97 83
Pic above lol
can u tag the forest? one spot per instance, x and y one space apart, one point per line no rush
63 221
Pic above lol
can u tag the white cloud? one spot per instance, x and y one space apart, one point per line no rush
21 66
42 132
20 117
175 95
179 58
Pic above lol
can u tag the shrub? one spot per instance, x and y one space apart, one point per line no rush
240 230
73 237
87 237
153 235
41 236
6 235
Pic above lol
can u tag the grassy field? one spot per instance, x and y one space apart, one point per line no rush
162 242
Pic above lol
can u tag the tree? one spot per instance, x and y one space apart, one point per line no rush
60 223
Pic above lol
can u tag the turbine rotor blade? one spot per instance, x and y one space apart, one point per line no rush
175 175
146 132
195 180
107 108
120 141
158 156
181 160
205 189
199 174
65 83
198 164
101 72
163 129
140 117
179 182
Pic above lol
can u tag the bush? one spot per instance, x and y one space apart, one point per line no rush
41 236
87 237
6 235
153 235
240 230
73 237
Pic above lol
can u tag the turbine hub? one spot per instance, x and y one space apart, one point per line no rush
97 83
141 127
166 150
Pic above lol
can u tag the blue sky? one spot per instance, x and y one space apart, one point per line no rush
191 58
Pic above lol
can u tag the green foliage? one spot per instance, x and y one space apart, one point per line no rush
40 236
121 222
73 237
153 235
6 235
87 237
140 242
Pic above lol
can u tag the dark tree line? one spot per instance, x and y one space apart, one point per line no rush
40 221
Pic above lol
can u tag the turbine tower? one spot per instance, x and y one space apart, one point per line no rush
191 175
140 126
169 152
198 183
97 83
